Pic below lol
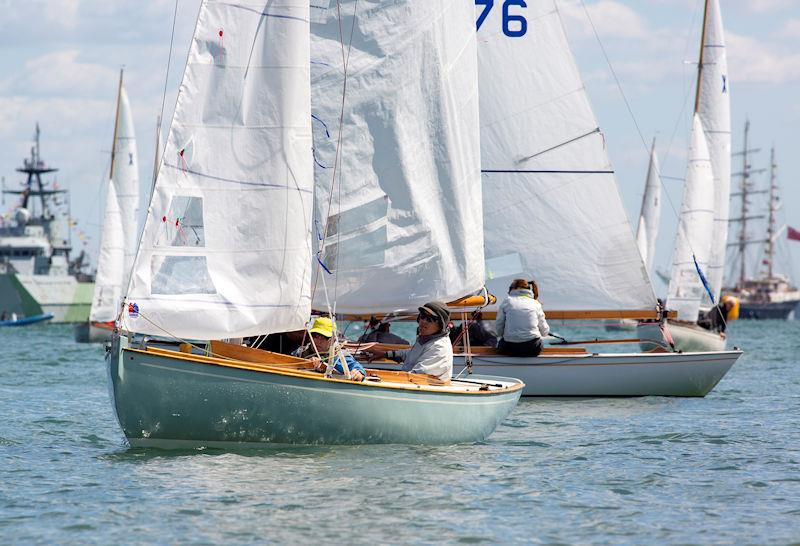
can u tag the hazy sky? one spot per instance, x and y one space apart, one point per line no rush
61 60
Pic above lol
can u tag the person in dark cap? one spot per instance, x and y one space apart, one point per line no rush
432 353
379 333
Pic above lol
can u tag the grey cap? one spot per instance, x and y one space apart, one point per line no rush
438 310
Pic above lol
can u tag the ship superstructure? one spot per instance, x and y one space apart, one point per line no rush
36 275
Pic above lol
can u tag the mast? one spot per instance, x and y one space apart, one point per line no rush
33 186
773 206
743 227
116 127
701 58
745 192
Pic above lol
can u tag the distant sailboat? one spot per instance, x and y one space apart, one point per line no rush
119 228
701 239
650 214
227 246
647 228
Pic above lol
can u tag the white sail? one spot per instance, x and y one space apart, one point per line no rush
226 248
650 214
404 218
108 283
715 113
641 241
125 176
157 154
694 230
552 208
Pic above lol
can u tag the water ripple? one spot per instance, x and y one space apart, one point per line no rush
718 470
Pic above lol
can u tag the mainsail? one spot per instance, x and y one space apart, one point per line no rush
715 112
108 284
647 230
125 175
401 218
226 248
552 208
693 240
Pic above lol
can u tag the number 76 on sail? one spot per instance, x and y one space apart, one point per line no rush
514 24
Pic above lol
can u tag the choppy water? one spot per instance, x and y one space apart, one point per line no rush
719 470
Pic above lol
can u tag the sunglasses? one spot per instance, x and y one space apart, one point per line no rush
426 318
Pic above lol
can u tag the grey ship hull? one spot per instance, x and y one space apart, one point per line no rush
761 311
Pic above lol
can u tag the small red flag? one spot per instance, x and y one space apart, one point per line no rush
793 234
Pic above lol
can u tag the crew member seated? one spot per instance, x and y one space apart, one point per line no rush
479 335
432 353
520 322
322 338
380 334
716 319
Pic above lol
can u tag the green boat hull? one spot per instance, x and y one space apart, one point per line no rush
168 402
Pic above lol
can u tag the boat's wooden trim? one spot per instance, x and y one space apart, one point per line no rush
249 354
389 379
475 349
552 314
602 341
482 350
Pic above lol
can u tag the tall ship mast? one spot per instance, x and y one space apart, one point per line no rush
767 294
36 274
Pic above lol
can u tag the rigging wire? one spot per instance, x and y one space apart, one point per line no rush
337 157
169 59
681 227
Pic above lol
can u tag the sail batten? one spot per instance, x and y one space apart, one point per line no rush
226 246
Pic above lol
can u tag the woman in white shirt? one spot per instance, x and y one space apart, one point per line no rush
520 322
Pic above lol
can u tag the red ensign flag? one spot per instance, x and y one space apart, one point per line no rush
793 234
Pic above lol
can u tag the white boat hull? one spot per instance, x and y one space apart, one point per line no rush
687 338
610 374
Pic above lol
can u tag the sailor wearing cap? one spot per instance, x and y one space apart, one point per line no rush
322 334
432 353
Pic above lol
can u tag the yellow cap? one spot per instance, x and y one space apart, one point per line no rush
323 326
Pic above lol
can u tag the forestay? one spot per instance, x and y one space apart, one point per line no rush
552 208
226 248
650 215
125 177
403 223
715 113
108 284
694 230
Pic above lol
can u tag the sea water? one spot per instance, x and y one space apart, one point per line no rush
724 469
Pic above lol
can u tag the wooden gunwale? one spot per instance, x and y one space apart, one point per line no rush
414 382
551 314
